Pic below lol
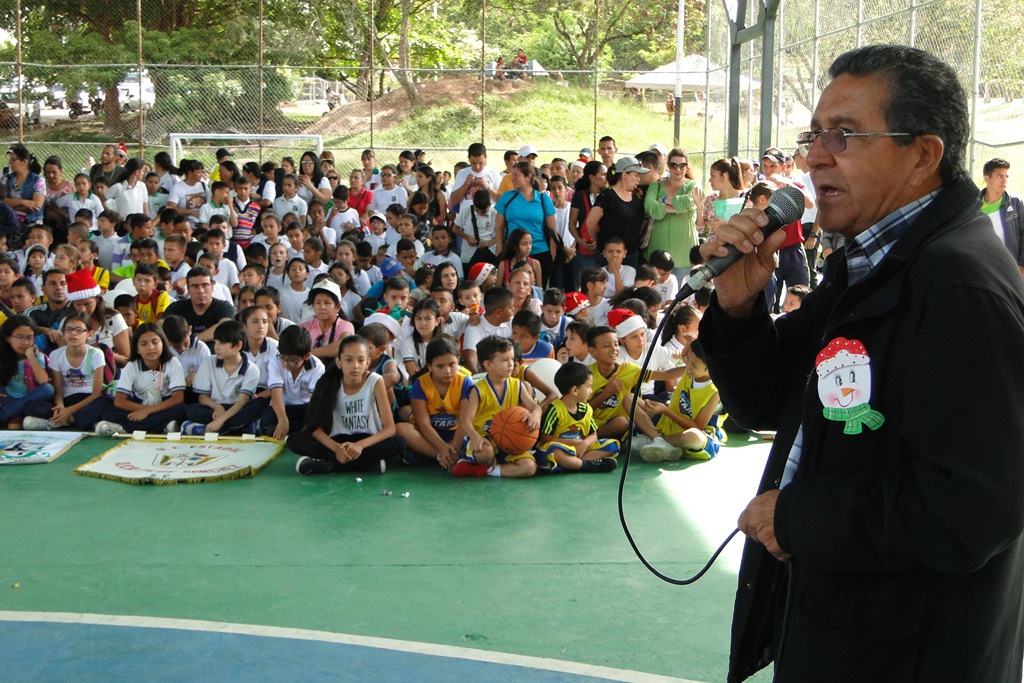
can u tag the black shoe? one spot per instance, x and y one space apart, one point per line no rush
602 465
308 465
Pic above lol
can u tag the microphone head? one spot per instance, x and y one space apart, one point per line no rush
788 204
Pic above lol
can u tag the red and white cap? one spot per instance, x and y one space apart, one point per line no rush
480 272
82 285
576 303
625 322
840 353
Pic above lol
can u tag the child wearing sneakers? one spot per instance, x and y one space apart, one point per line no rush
688 425
151 390
293 375
568 433
349 425
226 383
485 399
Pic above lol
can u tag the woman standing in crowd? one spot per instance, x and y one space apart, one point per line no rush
585 191
726 179
673 204
526 208
26 190
313 184
619 211
430 185
168 172
56 187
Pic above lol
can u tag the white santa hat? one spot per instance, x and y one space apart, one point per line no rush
625 322
840 353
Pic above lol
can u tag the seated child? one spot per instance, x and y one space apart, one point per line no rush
426 326
259 348
526 332
150 302
189 351
246 297
151 389
212 264
552 317
126 306
349 425
620 276
67 258
269 299
568 433
667 284
486 398
379 338
612 393
77 373
24 382
292 377
595 282
437 398
794 297
495 321
575 349
689 426
88 253
294 295
226 383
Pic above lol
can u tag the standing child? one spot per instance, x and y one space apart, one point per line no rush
24 382
220 204
247 212
151 389
485 399
77 373
689 425
568 434
289 201
441 241
437 397
517 250
226 383
349 425
293 375
81 198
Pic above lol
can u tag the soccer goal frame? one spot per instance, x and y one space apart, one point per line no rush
178 150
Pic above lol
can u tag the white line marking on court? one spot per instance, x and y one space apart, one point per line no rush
431 649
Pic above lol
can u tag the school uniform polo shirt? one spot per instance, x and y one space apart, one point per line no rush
268 352
213 380
296 391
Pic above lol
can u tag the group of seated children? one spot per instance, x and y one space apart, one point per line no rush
351 355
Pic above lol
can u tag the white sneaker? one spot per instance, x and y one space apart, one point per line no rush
660 450
108 429
383 466
639 441
172 427
34 424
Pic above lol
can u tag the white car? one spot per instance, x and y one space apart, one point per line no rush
128 95
33 113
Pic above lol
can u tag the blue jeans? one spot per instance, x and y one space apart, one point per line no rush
40 398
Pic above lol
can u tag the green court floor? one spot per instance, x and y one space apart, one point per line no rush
537 567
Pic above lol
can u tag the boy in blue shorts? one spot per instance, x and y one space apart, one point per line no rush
568 433
485 399
689 425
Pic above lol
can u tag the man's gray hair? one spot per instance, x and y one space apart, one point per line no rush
925 98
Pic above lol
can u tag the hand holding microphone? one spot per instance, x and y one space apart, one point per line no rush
749 240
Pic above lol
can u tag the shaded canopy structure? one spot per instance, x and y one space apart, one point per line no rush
697 75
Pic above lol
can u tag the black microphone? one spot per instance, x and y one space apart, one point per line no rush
786 206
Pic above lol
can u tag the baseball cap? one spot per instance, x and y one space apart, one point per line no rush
774 156
628 165
659 148
328 286
378 214
220 153
587 152
390 267
527 150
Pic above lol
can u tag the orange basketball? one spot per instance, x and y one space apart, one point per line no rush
510 433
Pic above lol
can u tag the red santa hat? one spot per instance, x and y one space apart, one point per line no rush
480 272
840 353
625 322
81 285
576 303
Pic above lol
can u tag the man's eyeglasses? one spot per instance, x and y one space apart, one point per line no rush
834 139
673 165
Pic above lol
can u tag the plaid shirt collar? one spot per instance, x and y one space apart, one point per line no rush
868 249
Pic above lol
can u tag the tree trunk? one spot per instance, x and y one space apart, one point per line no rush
403 75
112 110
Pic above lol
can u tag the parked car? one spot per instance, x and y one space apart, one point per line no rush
33 113
57 97
128 94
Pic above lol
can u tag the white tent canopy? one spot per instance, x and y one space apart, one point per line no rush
694 70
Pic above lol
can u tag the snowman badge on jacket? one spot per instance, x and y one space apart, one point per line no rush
844 385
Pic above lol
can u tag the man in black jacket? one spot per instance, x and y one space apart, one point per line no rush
1003 209
885 542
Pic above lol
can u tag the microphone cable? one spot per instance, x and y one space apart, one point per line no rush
684 291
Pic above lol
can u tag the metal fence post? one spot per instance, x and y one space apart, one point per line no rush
21 80
483 69
142 101
259 52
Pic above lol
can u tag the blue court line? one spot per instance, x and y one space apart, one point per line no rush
43 647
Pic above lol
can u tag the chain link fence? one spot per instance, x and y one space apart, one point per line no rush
71 109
